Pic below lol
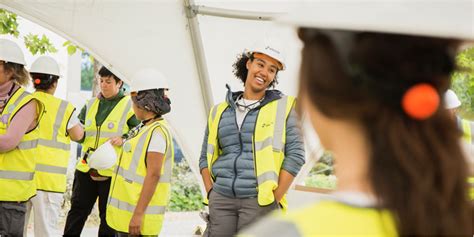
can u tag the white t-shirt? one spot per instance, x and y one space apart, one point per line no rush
242 111
157 142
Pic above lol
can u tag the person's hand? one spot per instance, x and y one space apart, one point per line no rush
135 224
116 141
278 195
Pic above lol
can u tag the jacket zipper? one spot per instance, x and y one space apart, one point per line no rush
241 148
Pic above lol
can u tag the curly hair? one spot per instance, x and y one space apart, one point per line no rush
240 69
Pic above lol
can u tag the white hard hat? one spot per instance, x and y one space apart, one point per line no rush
104 157
436 18
45 65
269 47
147 79
11 52
451 100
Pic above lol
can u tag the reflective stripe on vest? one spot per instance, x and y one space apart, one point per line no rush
268 141
17 175
17 166
127 184
150 210
94 138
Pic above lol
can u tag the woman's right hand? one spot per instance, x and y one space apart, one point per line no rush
116 141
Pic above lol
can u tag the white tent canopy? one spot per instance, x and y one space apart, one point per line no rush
194 51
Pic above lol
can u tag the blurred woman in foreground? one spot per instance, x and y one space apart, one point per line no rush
373 96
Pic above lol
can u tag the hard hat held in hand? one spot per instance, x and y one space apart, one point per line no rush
104 157
11 52
45 65
148 79
269 47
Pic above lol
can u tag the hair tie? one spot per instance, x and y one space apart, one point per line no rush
420 101
37 81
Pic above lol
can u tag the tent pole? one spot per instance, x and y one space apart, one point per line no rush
199 55
236 14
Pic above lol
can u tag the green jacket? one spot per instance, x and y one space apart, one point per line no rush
105 107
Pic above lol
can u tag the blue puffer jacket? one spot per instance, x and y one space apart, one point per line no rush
234 169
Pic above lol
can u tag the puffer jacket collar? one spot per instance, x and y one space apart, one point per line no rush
270 95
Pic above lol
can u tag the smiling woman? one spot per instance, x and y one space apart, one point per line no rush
244 187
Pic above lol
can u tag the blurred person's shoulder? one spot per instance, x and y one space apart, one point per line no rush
326 217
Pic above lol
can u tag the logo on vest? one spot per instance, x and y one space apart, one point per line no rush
264 125
127 147
88 122
111 125
4 118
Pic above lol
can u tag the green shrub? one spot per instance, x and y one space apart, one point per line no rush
321 181
185 191
463 82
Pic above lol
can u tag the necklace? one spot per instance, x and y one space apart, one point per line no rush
134 131
246 107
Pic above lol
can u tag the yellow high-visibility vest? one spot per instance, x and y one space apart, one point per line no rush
17 166
467 128
54 144
114 125
127 184
328 218
470 180
268 140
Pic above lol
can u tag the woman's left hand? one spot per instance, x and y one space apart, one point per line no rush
135 224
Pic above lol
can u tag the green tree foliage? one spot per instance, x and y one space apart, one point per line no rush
87 72
8 23
322 174
36 44
463 82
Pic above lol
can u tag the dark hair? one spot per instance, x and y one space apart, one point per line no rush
104 72
45 81
153 100
19 73
240 69
416 168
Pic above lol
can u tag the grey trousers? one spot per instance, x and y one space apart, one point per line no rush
12 218
227 216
